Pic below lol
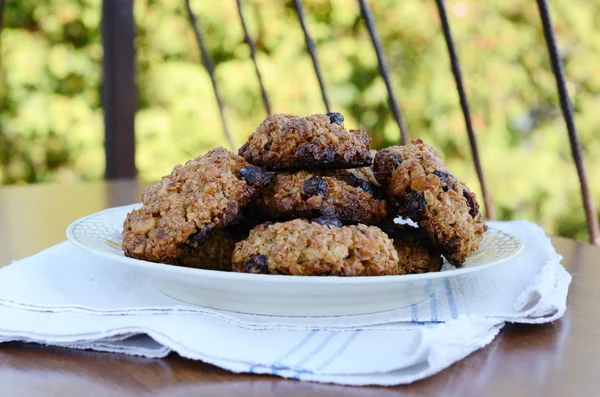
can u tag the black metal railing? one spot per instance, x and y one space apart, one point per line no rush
1 14
208 64
118 88
311 48
118 56
567 110
464 104
250 43
384 70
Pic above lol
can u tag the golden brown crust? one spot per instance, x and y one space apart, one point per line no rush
288 142
348 193
188 205
421 188
303 248
388 159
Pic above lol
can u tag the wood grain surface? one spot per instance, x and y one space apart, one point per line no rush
558 359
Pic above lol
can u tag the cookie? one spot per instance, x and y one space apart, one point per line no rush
183 210
351 194
286 142
321 247
416 253
421 188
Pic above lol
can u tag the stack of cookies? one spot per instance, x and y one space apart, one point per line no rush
305 196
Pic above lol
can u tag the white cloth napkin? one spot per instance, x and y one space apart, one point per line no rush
67 297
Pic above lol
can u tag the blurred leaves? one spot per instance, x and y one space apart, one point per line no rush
51 114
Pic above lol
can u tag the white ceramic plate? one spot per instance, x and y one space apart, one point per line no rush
100 233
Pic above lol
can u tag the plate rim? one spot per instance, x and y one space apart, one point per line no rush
277 278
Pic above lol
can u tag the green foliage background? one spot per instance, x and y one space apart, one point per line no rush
51 113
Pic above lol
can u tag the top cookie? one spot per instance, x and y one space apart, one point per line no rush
288 142
421 188
187 206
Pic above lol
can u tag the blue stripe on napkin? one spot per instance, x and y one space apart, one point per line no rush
433 307
277 363
414 314
450 297
316 351
340 350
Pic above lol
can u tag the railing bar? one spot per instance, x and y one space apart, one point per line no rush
208 64
464 104
567 110
2 76
310 46
383 69
118 88
250 43
1 26
1 14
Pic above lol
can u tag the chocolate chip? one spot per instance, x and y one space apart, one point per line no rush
403 232
201 236
304 154
328 220
335 118
268 145
452 244
391 158
310 155
415 205
366 187
396 159
386 162
255 176
355 181
314 186
473 210
446 179
327 157
257 264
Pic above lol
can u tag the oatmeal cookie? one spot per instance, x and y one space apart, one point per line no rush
415 251
286 142
321 247
351 194
182 211
421 188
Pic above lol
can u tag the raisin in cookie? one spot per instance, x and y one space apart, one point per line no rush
322 247
288 142
185 208
351 194
421 188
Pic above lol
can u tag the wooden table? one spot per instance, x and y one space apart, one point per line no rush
556 359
